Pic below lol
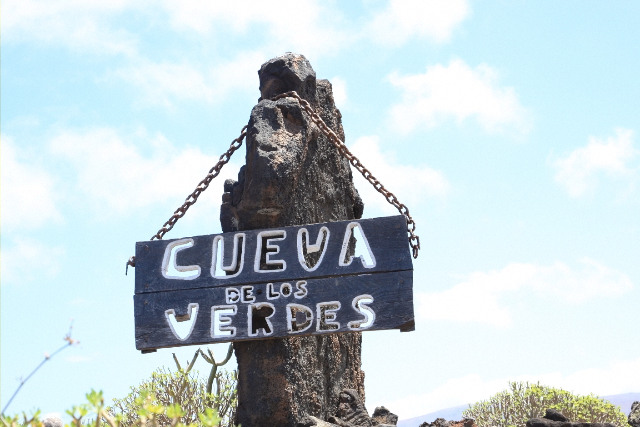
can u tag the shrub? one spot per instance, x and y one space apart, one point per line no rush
187 390
94 414
523 401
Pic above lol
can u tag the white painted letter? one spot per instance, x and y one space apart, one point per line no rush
271 264
292 322
271 294
326 312
285 289
219 241
323 233
232 295
302 291
247 294
182 332
258 318
370 262
170 270
359 304
221 322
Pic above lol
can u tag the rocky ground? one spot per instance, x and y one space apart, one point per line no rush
352 413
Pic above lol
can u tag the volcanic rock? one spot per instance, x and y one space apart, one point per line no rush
553 418
293 175
634 415
441 422
382 416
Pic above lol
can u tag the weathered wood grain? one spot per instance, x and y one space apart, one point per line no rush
324 294
391 299
386 236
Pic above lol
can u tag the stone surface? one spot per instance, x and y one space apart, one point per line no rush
351 411
293 175
52 420
553 415
286 73
441 422
634 415
382 416
553 418
311 421
543 422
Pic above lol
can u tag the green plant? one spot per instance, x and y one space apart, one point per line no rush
180 399
163 388
523 401
193 394
93 413
27 420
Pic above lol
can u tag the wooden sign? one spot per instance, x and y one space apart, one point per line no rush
274 283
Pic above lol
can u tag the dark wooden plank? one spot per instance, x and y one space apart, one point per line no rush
388 295
386 236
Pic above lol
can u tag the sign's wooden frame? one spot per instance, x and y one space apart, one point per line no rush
274 283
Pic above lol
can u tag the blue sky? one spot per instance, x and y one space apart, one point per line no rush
510 129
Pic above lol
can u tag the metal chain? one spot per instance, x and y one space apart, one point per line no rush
202 186
414 239
193 197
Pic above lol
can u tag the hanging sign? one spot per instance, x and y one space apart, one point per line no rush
258 284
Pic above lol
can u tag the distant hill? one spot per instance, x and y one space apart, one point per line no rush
454 413
624 401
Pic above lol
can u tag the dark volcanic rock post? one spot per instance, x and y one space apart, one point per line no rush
293 175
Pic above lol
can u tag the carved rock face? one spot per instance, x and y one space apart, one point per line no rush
286 73
293 174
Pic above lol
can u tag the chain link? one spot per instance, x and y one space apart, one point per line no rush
202 186
193 197
414 239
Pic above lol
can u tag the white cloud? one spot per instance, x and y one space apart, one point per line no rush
21 255
401 20
202 17
238 73
455 392
578 172
460 92
118 174
105 27
308 26
411 184
620 376
615 378
339 86
478 298
164 83
28 196
77 24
